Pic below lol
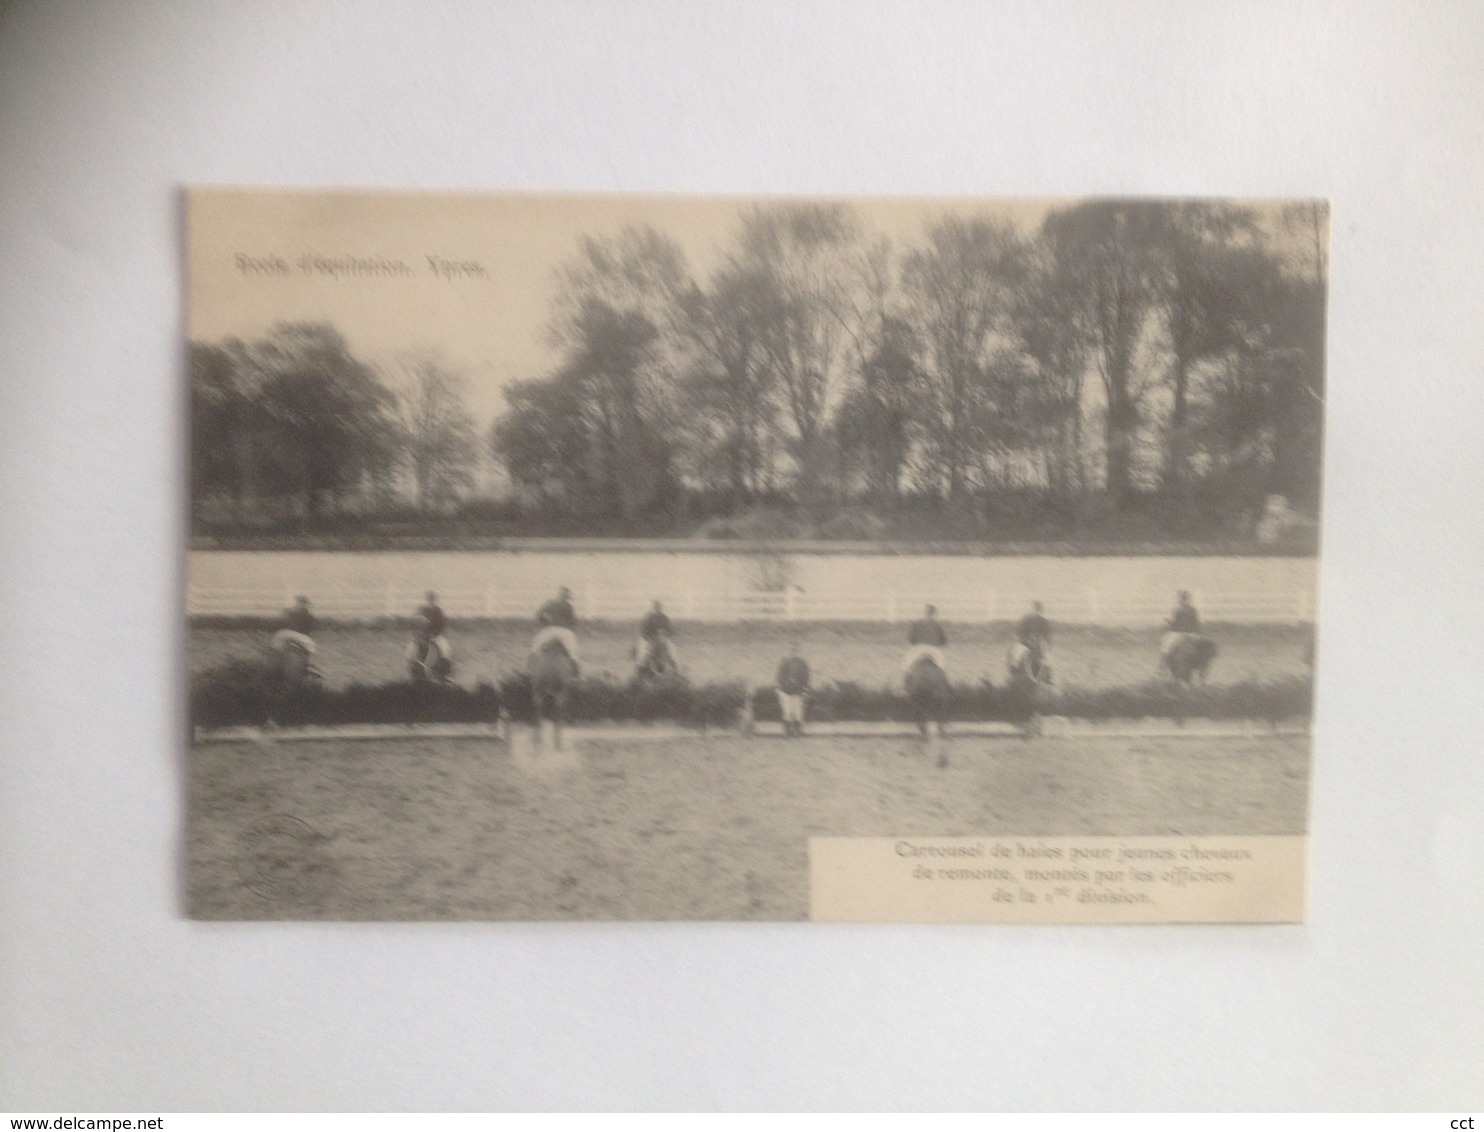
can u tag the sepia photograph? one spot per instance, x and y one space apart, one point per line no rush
711 558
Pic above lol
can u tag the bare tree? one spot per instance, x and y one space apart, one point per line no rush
441 440
1299 320
1108 253
960 287
639 270
1056 334
730 379
802 253
1128 347
615 319
1306 224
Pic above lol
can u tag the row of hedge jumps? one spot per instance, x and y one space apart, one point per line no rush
251 694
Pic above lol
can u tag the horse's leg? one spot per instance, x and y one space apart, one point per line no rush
1032 724
275 703
539 721
558 716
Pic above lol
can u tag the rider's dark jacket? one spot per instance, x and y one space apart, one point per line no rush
793 676
300 620
437 622
1033 627
654 626
557 611
927 632
1185 620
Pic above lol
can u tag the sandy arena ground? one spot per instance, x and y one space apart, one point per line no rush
870 654
695 829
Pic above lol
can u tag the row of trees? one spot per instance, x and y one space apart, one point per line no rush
1126 347
294 424
1123 349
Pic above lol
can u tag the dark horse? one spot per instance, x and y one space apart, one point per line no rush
553 674
929 695
1188 658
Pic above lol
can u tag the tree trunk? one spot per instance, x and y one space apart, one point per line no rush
1175 453
1119 441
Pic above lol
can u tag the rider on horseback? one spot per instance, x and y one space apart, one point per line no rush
557 620
1185 621
654 649
298 628
437 621
558 611
293 652
1034 629
1028 655
926 638
430 644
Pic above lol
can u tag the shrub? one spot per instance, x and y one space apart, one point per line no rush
251 692
247 692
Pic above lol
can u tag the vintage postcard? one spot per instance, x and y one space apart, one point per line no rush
667 558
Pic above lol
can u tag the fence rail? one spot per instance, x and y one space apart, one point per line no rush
1079 606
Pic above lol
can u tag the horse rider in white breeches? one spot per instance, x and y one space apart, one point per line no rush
1168 642
1019 661
654 629
558 633
285 638
917 652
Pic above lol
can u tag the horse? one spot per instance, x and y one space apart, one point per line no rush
426 660
929 694
291 658
655 660
553 673
1187 658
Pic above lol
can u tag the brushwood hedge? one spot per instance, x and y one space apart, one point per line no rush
248 692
